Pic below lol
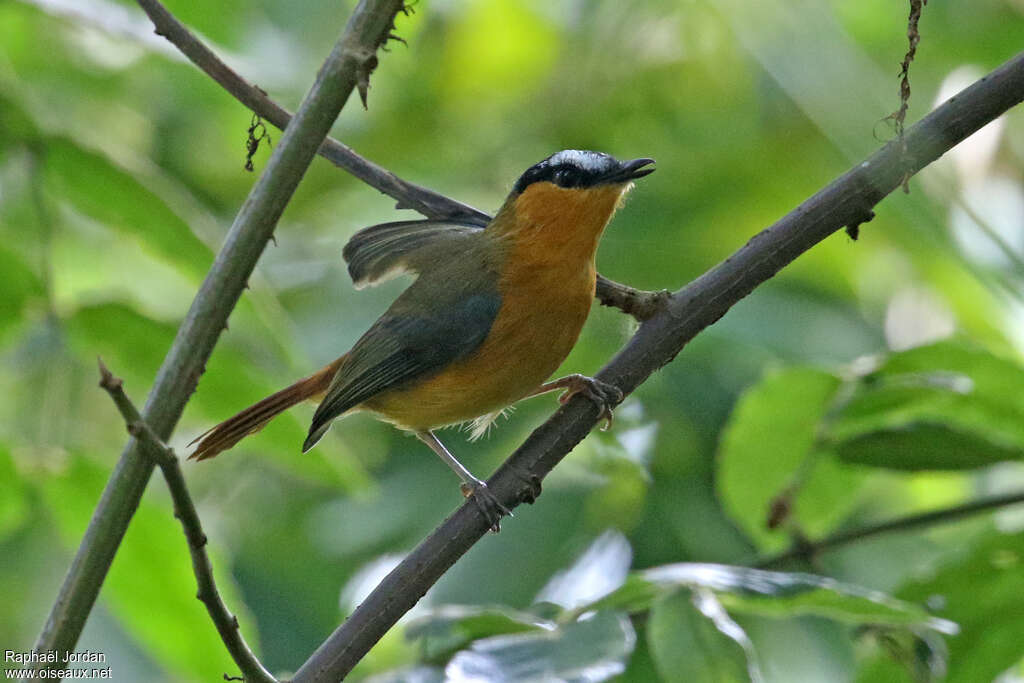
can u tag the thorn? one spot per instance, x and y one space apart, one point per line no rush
364 87
107 379
363 77
853 229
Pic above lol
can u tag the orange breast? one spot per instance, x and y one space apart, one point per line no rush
547 286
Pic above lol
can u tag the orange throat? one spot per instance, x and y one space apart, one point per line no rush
547 288
564 224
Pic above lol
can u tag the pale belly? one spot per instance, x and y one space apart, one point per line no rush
539 323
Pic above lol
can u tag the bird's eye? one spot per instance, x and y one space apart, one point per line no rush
565 177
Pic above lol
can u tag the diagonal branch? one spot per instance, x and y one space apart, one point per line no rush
846 201
409 195
808 550
638 303
347 67
185 511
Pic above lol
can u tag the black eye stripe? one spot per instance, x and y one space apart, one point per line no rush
570 168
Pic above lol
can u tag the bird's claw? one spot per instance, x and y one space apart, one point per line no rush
489 505
605 395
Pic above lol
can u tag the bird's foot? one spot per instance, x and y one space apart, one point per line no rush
605 395
491 508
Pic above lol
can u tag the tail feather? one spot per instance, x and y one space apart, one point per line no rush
315 435
255 417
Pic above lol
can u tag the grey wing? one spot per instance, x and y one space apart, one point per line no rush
382 251
400 348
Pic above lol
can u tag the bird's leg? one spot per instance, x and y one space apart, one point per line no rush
489 505
605 395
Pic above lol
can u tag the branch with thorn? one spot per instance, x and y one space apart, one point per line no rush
638 303
199 331
185 510
671 321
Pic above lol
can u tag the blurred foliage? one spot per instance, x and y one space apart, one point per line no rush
868 380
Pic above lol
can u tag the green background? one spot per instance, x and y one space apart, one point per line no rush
870 379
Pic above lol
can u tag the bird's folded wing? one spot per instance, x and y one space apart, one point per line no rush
383 251
402 348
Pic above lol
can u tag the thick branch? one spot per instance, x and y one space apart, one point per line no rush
808 550
348 64
638 303
185 511
846 201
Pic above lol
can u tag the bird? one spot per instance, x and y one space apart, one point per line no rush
494 309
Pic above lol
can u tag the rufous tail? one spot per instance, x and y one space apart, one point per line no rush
255 417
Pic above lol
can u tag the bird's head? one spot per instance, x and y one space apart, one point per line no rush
574 169
569 197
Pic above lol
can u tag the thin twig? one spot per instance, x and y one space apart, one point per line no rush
409 195
848 199
808 550
900 115
346 68
185 511
638 303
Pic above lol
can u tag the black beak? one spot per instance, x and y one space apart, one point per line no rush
629 170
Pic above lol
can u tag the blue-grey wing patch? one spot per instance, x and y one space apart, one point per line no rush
383 251
402 348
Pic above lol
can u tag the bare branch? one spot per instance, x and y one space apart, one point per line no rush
809 550
638 303
185 511
409 195
846 201
348 64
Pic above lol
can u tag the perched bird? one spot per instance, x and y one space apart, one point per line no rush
494 310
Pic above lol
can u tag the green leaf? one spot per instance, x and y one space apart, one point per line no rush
417 674
13 500
923 445
133 346
636 594
691 645
787 594
904 656
776 594
15 123
942 406
153 561
20 284
982 592
452 627
769 447
99 188
593 649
